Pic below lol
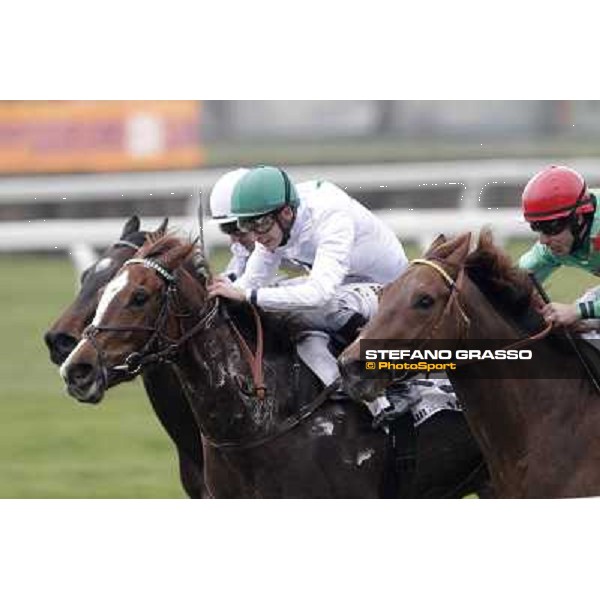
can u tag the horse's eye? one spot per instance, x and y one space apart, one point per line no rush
139 297
424 302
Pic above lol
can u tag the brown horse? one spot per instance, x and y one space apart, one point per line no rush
540 437
286 442
160 381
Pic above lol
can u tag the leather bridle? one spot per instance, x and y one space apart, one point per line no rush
464 322
166 346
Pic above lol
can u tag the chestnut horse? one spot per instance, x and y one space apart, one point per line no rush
283 440
540 436
160 382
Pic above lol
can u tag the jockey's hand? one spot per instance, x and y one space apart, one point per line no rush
221 286
537 302
560 314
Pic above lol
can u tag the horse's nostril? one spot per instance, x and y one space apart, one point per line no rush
49 339
80 374
66 343
60 345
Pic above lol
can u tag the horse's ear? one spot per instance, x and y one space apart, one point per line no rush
439 240
486 238
453 251
173 258
160 232
461 249
162 228
131 226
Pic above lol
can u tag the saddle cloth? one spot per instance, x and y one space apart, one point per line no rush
422 397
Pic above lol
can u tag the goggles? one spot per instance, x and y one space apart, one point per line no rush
552 227
229 228
258 225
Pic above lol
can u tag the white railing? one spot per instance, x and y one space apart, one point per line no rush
79 237
473 176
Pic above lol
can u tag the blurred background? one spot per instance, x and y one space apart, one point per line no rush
71 172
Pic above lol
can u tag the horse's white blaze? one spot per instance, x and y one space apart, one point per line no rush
112 289
103 264
64 366
364 455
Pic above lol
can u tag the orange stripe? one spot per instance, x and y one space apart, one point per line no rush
12 112
62 136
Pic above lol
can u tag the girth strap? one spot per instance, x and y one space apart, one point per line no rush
285 426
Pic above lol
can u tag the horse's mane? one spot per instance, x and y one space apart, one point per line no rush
507 287
279 328
158 244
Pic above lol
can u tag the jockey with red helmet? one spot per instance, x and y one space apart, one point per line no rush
559 206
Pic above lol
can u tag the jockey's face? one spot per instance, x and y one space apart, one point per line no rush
236 235
246 239
272 238
559 244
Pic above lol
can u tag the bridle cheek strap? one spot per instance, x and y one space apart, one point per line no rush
453 300
455 288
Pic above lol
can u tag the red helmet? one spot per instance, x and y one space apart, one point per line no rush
555 192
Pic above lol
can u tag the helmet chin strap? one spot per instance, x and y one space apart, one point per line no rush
286 229
580 231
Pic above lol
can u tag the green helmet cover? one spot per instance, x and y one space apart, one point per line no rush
262 190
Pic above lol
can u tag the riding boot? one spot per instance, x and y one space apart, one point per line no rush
313 349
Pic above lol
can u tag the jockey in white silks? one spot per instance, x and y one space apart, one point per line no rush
349 251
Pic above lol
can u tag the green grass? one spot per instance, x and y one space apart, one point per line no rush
53 447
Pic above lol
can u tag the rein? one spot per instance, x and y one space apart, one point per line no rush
285 426
254 360
137 360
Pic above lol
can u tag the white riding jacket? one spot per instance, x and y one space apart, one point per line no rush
337 238
237 265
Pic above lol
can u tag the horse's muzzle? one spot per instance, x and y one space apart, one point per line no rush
355 384
84 382
60 346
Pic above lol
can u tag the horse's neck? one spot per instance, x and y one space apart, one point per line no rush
219 384
488 404
506 414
